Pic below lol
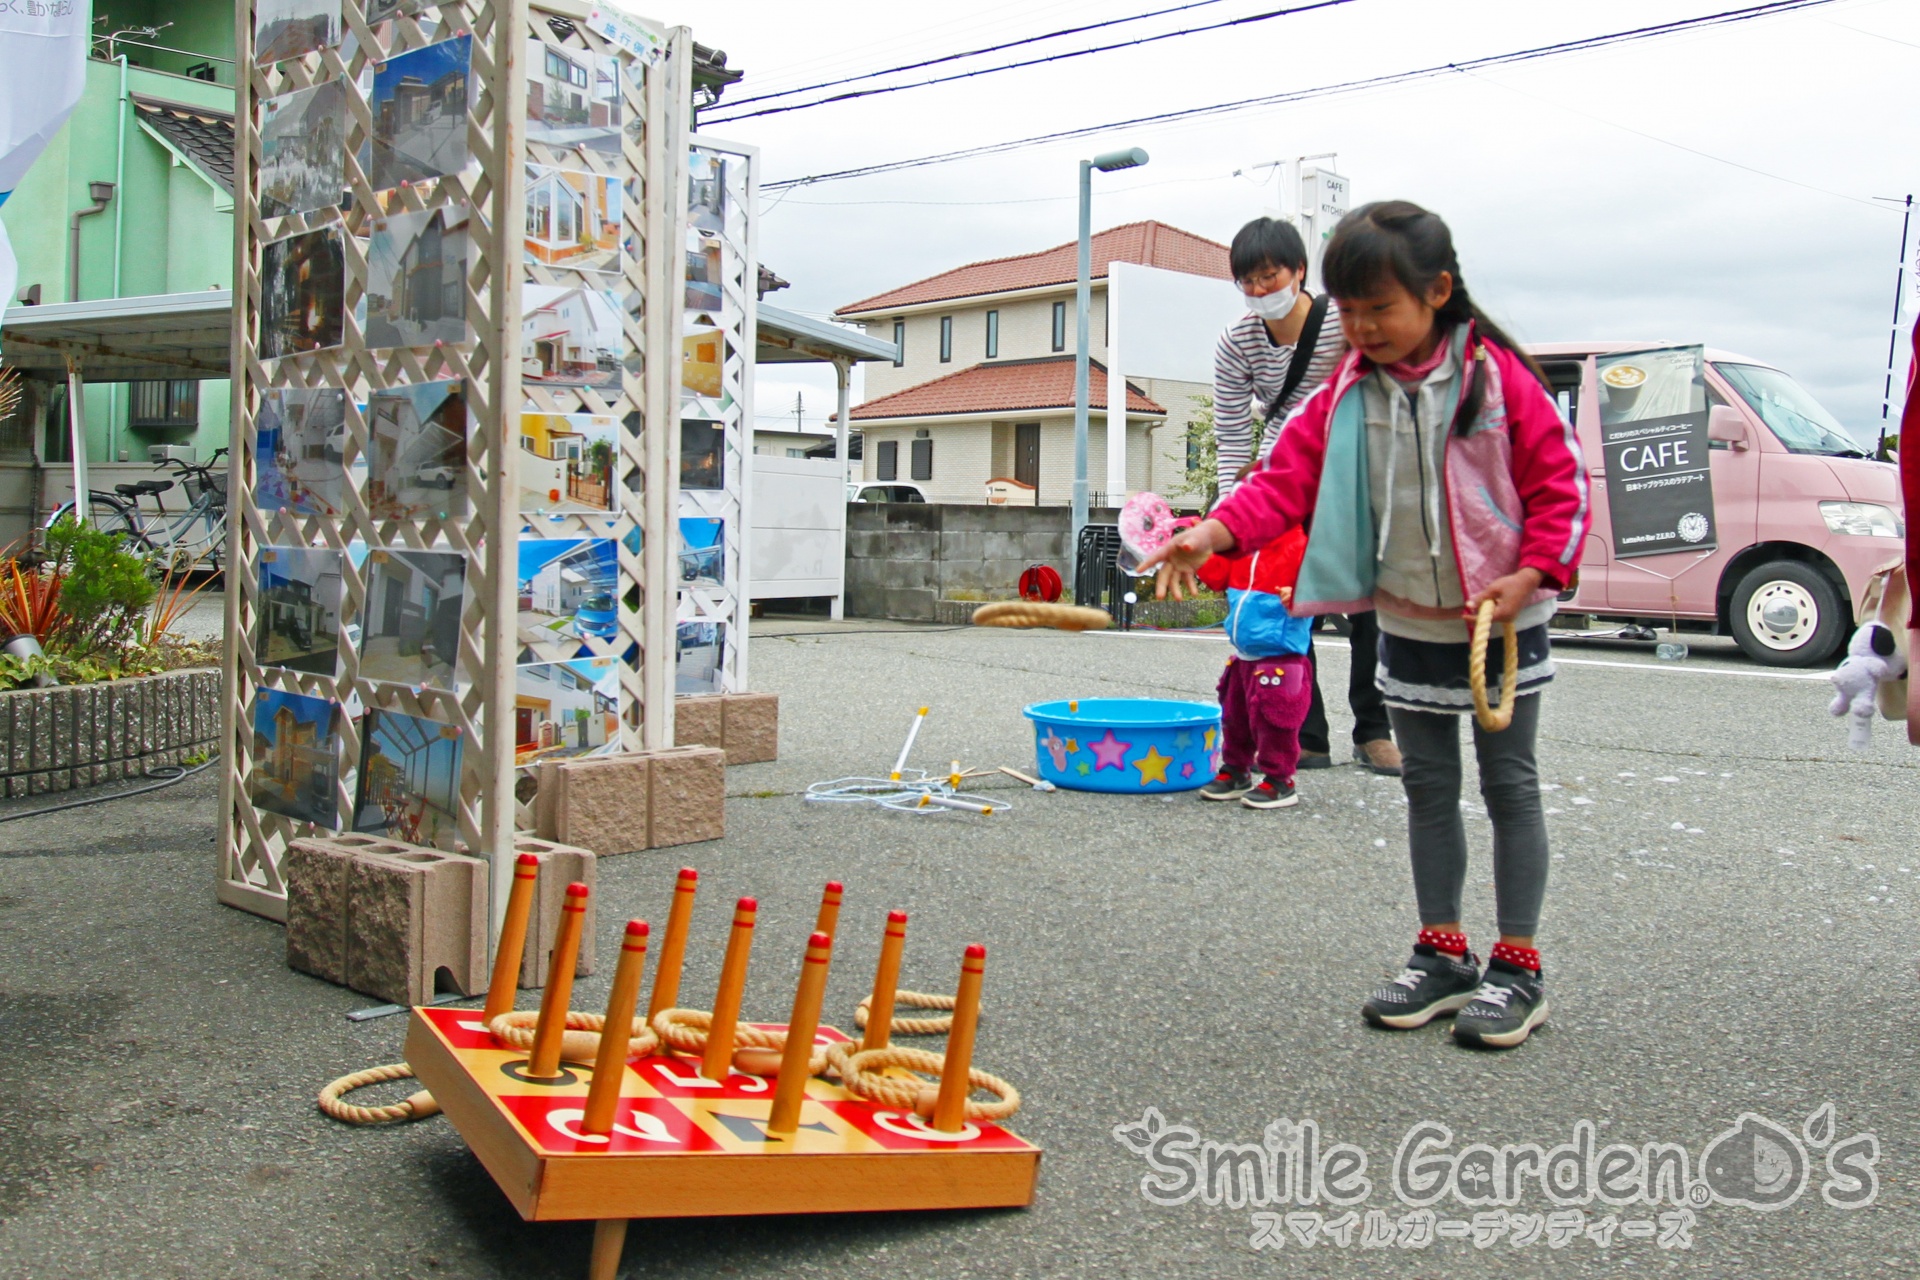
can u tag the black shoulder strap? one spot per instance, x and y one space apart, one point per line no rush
1302 356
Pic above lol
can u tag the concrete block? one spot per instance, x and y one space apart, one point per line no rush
866 543
20 744
962 544
1049 548
913 544
603 804
752 727
316 876
413 912
699 721
560 866
1000 545
545 796
910 605
689 796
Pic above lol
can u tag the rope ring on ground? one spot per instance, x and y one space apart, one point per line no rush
1492 719
859 1071
417 1107
581 1040
911 1026
685 1031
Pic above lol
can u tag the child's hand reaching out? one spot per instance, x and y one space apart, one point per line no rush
1183 554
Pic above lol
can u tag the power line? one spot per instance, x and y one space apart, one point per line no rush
1031 62
973 53
1726 17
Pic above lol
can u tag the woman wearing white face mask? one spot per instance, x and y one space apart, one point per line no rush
1268 361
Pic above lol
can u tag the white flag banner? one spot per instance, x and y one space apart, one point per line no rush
43 67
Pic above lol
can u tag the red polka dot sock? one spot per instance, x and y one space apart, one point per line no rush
1453 944
1527 958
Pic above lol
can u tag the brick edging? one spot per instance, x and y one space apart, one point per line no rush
82 735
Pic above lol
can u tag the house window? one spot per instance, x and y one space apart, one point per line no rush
1059 326
993 334
899 343
886 463
922 460
946 339
164 404
565 70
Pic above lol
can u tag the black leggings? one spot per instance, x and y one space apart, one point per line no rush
1436 834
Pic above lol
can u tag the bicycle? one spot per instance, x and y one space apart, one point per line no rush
193 536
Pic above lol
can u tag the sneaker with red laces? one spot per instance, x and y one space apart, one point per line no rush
1227 785
1272 793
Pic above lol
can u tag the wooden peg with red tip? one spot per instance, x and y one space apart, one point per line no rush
886 979
950 1103
673 947
717 1060
828 921
610 1063
790 1089
543 1061
513 938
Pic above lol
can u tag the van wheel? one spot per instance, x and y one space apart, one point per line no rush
1786 614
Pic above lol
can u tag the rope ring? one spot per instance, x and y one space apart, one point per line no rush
910 1026
685 1030
1492 719
581 1040
417 1107
859 1071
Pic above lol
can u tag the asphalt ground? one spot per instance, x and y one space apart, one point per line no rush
1729 942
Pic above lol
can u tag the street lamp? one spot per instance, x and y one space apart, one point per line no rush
1132 158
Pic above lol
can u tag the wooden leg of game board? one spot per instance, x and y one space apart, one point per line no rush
673 947
609 1237
543 1061
513 939
717 1061
950 1106
828 921
610 1064
790 1089
885 979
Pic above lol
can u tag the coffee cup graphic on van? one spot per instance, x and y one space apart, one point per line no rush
1623 383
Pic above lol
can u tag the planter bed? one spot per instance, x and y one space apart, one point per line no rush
80 735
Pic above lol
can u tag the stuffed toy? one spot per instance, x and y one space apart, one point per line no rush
1872 657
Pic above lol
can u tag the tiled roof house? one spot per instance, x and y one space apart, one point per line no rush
984 388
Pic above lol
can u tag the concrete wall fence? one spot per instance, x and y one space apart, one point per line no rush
904 557
78 735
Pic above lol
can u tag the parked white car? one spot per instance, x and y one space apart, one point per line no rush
885 491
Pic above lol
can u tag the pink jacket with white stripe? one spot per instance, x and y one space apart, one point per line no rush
1516 485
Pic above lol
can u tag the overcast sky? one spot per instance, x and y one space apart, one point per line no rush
1580 202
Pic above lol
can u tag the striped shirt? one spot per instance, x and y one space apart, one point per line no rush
1249 368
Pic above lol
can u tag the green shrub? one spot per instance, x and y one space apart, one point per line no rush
106 589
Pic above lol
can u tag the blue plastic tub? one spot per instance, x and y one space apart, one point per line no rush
1133 745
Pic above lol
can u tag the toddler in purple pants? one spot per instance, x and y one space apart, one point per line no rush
1267 686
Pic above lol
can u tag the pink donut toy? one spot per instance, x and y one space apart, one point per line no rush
1147 523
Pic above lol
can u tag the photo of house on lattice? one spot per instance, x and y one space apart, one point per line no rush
565 708
303 150
410 623
285 29
566 462
573 98
419 107
416 279
300 443
573 219
417 464
298 622
303 282
296 756
566 592
409 785
571 336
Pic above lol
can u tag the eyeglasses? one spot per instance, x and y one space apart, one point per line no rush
1266 282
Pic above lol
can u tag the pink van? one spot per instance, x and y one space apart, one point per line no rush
1803 516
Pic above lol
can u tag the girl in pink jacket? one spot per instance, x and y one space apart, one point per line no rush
1433 471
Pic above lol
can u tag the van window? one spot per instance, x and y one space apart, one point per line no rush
1797 420
1564 379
